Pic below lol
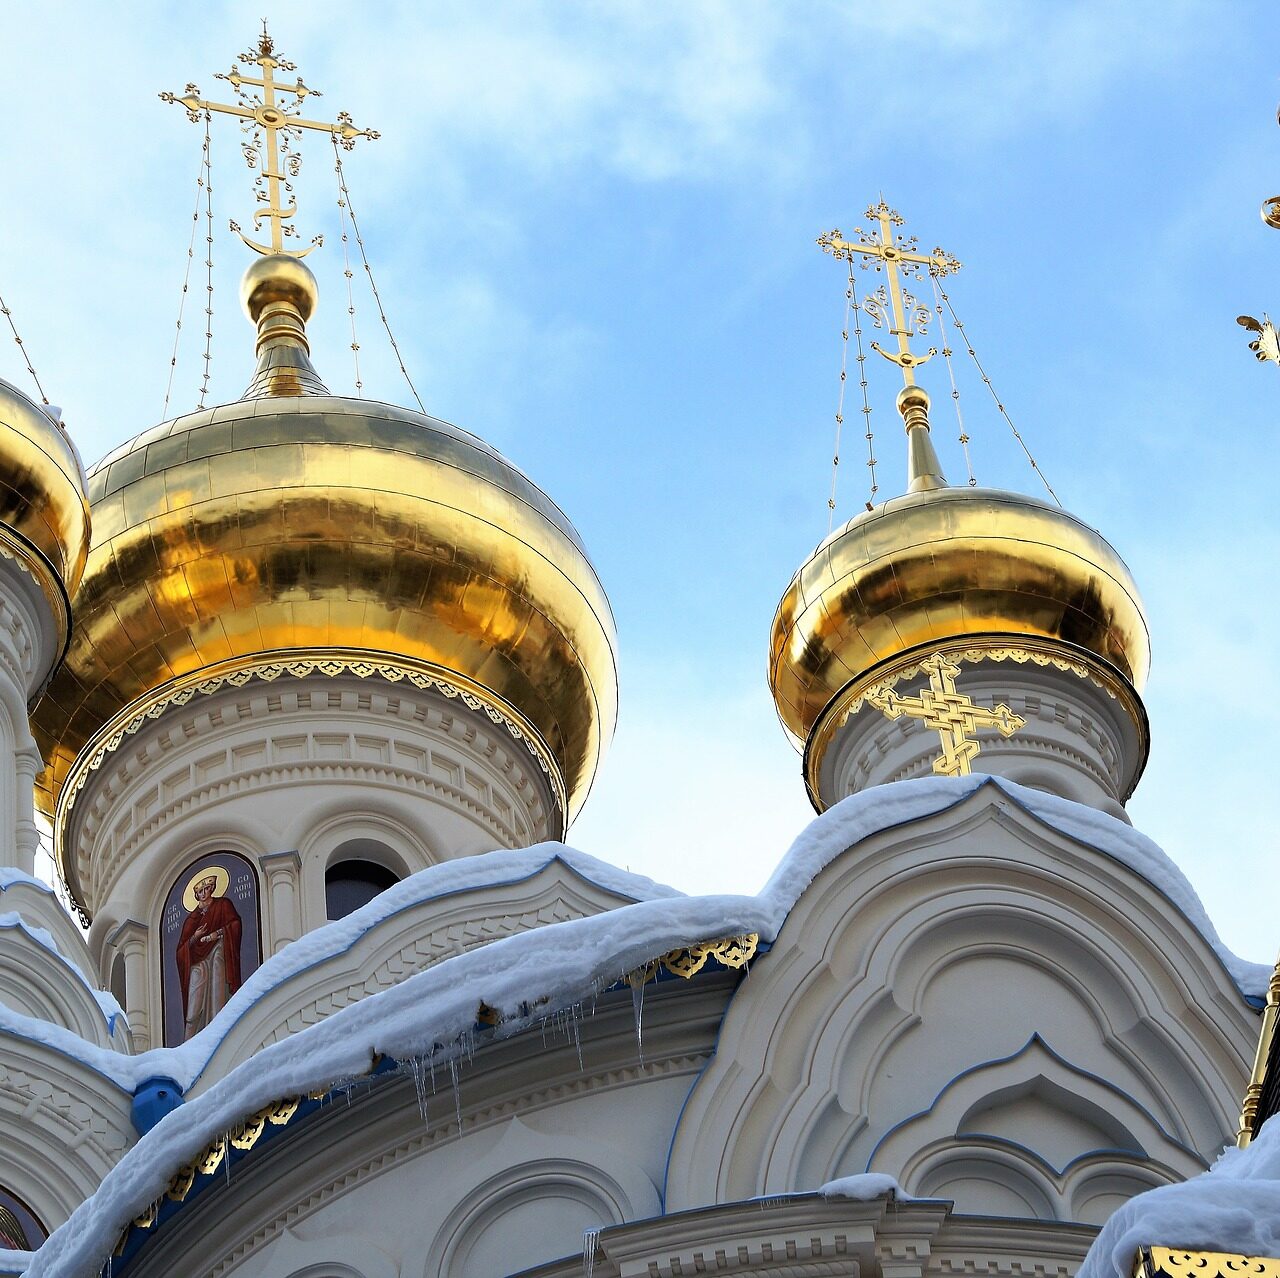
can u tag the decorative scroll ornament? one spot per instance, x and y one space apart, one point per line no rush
1165 1262
272 125
1266 346
954 715
733 952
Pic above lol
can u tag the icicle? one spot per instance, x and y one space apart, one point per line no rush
226 1156
457 1091
574 1014
637 1004
590 1241
419 1085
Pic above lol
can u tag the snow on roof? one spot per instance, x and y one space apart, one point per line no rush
1234 1207
14 1262
111 1010
185 1064
10 876
429 1014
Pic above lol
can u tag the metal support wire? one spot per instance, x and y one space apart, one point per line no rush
973 355
351 301
844 375
13 328
345 194
208 262
186 275
951 373
862 382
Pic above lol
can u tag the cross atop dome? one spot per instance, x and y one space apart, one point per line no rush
272 124
891 306
899 257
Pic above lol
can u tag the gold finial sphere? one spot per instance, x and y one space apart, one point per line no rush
275 279
911 398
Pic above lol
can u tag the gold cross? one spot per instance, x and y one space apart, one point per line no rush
953 715
280 122
898 256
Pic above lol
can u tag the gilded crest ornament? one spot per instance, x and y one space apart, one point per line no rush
954 715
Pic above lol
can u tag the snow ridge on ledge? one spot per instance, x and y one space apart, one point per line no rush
430 1013
1233 1207
186 1063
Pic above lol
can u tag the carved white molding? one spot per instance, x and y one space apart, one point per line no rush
240 748
37 982
65 1127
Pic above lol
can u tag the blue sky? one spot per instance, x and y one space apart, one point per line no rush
593 226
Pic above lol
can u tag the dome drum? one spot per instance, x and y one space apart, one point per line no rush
1083 732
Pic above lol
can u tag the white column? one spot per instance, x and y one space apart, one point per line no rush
130 939
282 915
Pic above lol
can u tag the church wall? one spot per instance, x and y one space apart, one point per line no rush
985 1010
549 1147
27 645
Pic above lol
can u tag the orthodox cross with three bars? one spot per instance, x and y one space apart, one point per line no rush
953 715
273 117
899 256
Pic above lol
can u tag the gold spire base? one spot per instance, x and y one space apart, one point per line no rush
924 470
278 294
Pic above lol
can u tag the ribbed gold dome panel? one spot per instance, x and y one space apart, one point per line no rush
44 517
302 524
940 564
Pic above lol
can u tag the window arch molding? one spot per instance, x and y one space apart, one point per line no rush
581 1183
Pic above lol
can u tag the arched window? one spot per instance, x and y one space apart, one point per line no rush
353 882
20 1229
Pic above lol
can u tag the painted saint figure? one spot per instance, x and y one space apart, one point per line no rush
208 951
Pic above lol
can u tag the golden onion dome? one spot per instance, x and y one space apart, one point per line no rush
940 565
296 523
44 515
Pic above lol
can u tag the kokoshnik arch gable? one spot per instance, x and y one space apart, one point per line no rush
300 675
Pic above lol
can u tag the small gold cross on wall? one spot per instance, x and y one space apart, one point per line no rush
954 715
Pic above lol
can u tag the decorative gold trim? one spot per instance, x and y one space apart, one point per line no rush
1258 1078
971 650
1166 1262
301 664
730 951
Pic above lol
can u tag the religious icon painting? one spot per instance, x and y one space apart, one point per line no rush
210 941
20 1230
